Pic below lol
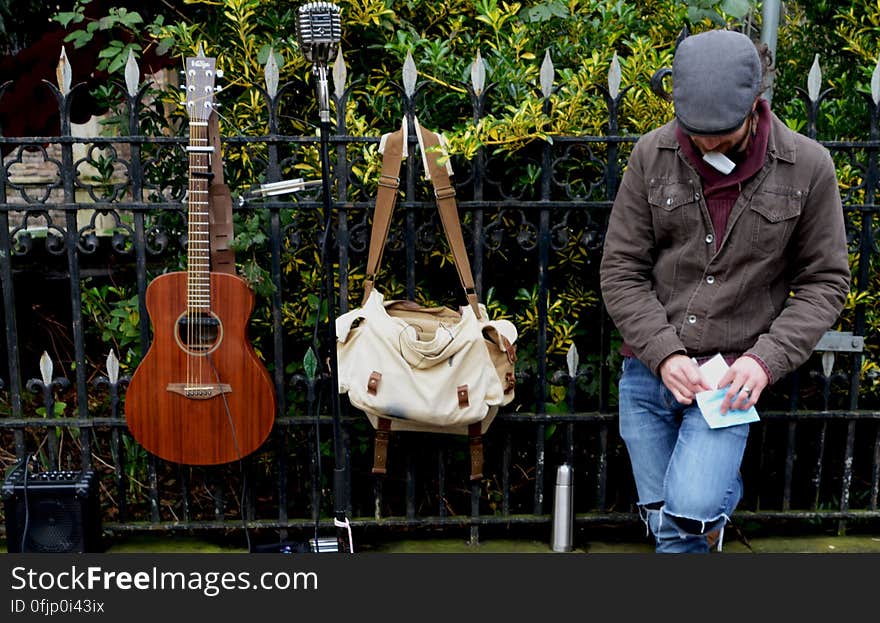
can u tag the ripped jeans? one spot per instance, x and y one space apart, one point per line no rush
687 474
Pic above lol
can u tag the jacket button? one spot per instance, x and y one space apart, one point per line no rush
710 238
692 319
669 201
710 279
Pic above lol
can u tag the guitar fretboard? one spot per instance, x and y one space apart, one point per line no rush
199 242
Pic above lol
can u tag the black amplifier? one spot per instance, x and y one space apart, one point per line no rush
52 511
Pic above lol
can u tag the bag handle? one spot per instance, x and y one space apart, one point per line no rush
444 192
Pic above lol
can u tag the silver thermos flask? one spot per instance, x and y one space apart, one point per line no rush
563 510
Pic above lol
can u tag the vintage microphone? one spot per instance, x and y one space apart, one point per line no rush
318 32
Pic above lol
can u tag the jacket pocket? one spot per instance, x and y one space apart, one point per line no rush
775 214
674 208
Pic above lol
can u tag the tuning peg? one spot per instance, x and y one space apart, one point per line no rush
219 73
218 88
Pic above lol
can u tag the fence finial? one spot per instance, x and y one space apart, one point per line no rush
614 77
410 75
340 74
270 71
63 73
478 74
46 368
112 368
547 73
572 360
814 80
132 74
875 83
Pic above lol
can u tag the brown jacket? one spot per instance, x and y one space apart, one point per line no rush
778 281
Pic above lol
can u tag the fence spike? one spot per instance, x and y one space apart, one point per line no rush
827 363
573 360
814 80
410 74
112 367
547 73
614 77
63 72
132 74
340 74
875 83
271 73
46 368
310 364
478 74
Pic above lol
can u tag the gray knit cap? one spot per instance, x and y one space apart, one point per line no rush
716 76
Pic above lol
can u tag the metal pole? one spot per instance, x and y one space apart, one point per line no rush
769 28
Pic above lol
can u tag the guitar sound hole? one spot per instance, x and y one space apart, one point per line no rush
199 333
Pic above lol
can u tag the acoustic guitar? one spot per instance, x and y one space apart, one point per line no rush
200 396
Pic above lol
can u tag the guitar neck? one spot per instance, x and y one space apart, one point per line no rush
199 232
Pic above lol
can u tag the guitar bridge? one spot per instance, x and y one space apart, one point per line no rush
201 391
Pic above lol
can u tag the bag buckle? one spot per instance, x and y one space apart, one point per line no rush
463 400
387 181
444 192
373 382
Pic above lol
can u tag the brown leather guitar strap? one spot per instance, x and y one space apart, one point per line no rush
220 208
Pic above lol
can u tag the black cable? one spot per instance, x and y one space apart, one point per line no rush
320 499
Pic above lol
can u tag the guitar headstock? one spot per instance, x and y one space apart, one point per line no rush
200 74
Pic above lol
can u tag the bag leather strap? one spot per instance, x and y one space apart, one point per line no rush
382 437
380 446
220 206
386 199
444 192
475 442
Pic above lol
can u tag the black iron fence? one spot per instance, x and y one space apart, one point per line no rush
87 221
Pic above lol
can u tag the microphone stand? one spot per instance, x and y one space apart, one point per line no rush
339 481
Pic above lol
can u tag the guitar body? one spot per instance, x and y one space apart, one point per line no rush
200 397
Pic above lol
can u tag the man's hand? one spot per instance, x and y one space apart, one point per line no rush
683 378
747 380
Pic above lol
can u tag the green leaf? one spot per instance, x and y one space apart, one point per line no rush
130 19
164 46
65 19
736 8
79 38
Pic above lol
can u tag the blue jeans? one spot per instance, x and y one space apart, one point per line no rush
687 474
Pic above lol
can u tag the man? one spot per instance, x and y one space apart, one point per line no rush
740 252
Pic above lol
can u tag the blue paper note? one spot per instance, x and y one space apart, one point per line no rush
710 405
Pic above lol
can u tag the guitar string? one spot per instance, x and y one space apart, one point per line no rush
198 281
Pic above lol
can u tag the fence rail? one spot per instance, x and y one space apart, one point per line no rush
86 222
